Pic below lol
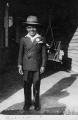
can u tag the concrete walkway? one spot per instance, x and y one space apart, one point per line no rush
58 96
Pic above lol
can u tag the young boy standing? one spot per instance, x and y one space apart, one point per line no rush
32 61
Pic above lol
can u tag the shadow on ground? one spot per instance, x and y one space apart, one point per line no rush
63 84
50 99
17 110
48 111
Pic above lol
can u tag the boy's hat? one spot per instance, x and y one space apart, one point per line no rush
32 20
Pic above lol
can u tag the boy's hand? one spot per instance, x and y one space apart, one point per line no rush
20 70
42 70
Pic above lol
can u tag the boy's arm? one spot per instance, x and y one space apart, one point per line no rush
20 56
44 56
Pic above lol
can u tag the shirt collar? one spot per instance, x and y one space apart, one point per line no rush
32 38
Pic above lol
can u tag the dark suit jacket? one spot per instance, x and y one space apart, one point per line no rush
32 55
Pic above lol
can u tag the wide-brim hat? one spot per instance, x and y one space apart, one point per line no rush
32 20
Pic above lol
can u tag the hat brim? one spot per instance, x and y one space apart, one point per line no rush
28 23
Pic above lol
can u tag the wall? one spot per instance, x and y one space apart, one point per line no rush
73 51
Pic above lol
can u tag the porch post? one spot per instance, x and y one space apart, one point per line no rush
6 24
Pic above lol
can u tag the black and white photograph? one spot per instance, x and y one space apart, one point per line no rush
39 58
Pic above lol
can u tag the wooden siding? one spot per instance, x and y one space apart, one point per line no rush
73 51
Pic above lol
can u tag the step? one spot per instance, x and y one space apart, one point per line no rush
75 36
73 44
74 68
74 62
73 48
73 52
73 55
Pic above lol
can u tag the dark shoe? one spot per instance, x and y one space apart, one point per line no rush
26 108
37 108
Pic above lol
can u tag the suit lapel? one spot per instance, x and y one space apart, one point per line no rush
31 44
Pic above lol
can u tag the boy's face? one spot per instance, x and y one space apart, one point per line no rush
31 30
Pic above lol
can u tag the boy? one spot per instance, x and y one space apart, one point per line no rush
32 61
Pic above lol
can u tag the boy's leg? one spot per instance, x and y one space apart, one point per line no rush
36 89
27 89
